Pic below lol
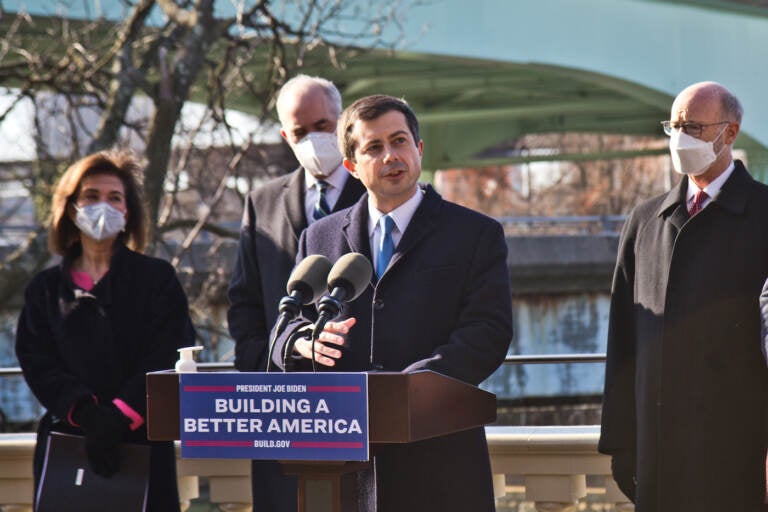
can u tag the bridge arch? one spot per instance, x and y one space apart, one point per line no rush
645 51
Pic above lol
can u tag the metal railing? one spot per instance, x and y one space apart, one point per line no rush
555 358
514 359
532 224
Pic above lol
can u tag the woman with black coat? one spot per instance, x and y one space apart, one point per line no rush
94 325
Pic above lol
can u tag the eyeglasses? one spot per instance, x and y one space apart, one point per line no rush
692 129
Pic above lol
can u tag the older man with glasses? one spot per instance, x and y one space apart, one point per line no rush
686 386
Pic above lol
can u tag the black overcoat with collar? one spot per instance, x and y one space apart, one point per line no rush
686 387
273 220
443 304
72 346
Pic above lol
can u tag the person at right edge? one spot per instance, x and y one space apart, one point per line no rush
686 386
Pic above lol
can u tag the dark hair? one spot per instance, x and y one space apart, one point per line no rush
63 233
366 109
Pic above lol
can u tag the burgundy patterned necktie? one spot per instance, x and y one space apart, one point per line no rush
698 202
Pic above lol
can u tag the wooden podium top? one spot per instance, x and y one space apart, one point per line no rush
402 407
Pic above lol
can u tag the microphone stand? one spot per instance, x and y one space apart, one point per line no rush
289 308
288 349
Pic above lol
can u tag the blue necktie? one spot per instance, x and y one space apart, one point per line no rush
386 246
321 205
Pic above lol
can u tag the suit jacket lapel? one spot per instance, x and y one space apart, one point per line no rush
673 207
733 196
293 201
355 227
422 223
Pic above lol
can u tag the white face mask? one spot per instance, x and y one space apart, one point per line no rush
318 153
690 155
99 221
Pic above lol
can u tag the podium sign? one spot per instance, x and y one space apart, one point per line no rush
274 416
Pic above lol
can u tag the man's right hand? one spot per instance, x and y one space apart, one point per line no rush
334 334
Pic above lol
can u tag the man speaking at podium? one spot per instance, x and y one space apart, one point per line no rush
439 300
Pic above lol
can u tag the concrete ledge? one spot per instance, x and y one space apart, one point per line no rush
562 263
552 461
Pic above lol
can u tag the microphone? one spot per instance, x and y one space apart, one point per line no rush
305 285
347 279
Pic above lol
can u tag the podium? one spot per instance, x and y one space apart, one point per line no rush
402 408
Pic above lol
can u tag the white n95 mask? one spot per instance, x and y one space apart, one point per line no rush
100 221
690 155
318 153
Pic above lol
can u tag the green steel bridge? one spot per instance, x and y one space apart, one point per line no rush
480 73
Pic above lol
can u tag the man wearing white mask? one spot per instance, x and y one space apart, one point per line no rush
686 387
273 218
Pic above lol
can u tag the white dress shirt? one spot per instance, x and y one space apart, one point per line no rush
336 181
712 189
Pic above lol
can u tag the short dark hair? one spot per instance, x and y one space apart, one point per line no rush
63 233
366 109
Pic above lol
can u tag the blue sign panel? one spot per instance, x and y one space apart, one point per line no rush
275 416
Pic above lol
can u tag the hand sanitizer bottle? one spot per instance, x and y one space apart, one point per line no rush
186 363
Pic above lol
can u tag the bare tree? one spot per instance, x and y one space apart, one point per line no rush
100 83
588 187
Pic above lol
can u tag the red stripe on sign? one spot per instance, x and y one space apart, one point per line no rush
327 444
209 389
333 389
218 443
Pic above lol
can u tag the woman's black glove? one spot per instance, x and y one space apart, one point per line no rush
623 469
104 427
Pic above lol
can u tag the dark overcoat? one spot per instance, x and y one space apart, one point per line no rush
273 219
102 344
444 305
686 386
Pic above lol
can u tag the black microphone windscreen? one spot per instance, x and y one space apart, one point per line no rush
352 272
309 277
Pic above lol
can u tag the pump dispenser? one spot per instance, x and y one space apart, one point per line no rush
186 363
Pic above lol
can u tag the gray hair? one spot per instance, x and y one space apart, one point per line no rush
731 106
300 82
